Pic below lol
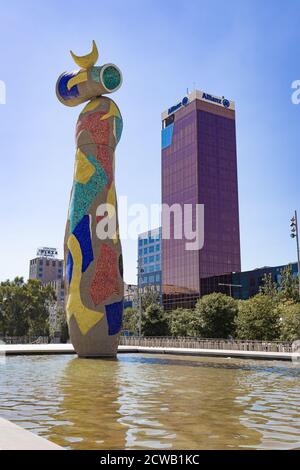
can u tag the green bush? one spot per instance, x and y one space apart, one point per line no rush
289 314
154 321
258 319
215 315
131 320
183 322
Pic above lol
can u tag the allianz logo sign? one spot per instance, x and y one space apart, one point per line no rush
223 101
184 102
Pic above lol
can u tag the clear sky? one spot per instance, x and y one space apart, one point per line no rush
247 51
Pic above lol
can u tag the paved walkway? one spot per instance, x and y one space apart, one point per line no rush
12 437
27 349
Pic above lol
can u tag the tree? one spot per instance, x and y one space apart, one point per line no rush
269 287
154 321
183 322
24 307
258 319
60 327
289 285
131 320
289 314
149 297
215 316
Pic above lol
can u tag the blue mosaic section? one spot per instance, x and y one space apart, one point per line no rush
114 313
83 234
69 267
63 87
167 136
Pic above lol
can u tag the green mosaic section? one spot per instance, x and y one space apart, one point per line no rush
111 78
84 194
119 128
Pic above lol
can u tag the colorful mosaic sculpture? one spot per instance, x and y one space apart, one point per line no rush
94 268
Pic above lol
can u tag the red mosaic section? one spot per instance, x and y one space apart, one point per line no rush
106 278
105 158
98 129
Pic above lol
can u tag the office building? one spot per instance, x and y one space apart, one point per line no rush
199 166
48 269
45 266
246 284
149 260
130 296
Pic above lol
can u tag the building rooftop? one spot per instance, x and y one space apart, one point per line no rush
199 95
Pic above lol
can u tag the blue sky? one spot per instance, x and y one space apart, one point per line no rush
246 51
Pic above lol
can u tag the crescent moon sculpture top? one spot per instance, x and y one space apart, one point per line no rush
88 60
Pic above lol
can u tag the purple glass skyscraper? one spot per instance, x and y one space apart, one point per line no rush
199 166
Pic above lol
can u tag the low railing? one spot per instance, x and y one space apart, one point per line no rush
207 343
25 339
171 342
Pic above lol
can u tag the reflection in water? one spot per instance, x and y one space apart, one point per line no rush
159 402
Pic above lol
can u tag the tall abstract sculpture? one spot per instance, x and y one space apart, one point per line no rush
93 255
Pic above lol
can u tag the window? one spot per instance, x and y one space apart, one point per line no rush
145 241
151 279
53 263
140 252
145 269
145 251
145 260
158 247
157 277
140 242
157 258
157 267
169 120
151 249
151 269
151 259
47 262
41 262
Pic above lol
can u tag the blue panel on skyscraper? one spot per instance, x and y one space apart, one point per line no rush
166 136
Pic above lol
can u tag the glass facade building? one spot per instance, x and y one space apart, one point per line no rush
149 259
199 166
246 284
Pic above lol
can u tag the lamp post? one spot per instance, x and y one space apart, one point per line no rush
295 234
140 272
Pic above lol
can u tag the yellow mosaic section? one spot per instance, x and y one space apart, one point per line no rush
88 60
113 112
85 317
81 77
91 105
84 169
